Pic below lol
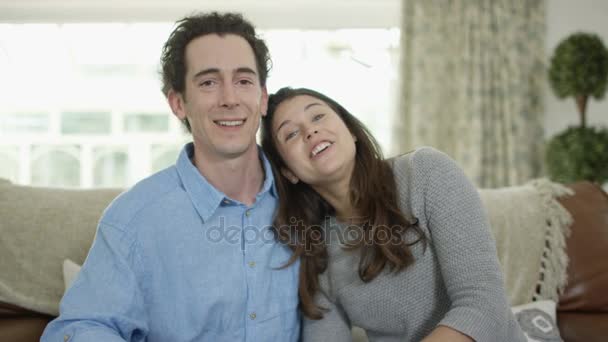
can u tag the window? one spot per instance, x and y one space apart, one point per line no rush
80 104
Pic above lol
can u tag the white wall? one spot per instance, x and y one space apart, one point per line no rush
265 14
563 18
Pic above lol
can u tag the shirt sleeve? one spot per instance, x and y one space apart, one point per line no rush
104 303
332 327
465 249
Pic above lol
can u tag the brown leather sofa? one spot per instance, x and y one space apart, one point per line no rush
582 312
582 309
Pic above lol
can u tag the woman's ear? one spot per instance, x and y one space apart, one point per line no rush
289 175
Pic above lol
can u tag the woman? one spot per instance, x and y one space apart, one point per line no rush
400 248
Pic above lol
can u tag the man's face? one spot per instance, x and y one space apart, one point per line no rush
223 98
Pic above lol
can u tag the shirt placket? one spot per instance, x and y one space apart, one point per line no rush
250 265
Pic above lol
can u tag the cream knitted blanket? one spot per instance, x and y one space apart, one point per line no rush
530 228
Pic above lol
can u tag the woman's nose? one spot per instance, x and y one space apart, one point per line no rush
311 133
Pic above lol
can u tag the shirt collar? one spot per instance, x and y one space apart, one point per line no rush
269 183
205 197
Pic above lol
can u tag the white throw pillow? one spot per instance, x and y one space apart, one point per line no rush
70 271
538 321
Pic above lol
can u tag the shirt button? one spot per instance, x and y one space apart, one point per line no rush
252 315
248 212
226 201
66 338
252 264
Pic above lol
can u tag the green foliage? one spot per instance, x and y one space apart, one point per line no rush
578 154
579 67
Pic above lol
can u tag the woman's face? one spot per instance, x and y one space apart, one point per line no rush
314 142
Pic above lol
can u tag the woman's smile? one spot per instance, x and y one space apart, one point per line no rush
320 149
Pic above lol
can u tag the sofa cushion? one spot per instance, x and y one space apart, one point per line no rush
41 227
70 272
587 249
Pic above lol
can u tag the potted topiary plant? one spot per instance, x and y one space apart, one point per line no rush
579 69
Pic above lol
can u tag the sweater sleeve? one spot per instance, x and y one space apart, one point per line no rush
460 234
334 325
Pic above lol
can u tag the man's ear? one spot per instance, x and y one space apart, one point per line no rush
264 103
176 102
289 175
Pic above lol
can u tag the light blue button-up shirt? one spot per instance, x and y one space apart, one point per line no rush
174 259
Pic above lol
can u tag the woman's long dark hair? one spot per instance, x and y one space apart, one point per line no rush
302 211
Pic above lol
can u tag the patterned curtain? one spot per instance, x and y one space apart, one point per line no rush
472 80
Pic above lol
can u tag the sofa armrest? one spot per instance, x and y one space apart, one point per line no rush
583 327
587 249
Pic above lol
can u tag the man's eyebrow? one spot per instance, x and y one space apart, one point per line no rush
205 72
245 70
208 71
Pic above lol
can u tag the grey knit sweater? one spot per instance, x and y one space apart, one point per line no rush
456 281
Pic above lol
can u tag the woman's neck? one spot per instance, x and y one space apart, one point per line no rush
337 194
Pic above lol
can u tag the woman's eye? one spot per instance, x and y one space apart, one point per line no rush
318 117
290 135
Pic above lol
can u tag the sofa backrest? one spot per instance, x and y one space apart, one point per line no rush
39 228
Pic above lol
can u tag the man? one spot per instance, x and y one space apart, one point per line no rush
186 254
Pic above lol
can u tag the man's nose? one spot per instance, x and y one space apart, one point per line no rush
228 96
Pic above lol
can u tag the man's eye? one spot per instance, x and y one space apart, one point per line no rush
245 82
207 83
318 117
291 135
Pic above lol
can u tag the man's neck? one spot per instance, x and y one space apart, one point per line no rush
240 178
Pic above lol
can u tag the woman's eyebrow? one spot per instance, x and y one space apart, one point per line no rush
308 106
283 124
312 105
